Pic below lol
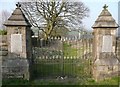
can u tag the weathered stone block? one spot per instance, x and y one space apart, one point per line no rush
15 67
3 48
3 44
105 67
3 38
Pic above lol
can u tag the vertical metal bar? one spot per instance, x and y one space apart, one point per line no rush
62 64
74 64
89 57
41 49
59 56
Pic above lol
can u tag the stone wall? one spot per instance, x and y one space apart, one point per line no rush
3 49
3 46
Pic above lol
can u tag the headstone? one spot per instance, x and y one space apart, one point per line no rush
16 43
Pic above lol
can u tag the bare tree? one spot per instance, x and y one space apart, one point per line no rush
5 14
50 15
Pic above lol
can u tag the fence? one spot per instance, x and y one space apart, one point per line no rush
63 57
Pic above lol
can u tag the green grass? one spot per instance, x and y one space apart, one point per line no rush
46 70
69 51
110 81
17 82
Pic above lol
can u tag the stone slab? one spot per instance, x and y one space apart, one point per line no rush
16 43
107 43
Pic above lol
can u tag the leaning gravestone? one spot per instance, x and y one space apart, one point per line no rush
17 65
105 60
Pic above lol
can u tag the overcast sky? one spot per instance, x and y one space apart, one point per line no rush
95 7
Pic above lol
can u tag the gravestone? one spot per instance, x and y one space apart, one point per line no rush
105 60
17 65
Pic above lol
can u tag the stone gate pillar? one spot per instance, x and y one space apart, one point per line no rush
105 60
19 45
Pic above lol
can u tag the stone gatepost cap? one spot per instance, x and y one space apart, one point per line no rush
105 20
17 18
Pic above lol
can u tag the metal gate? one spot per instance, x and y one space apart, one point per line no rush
66 57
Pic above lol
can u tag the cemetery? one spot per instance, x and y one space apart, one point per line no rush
78 60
